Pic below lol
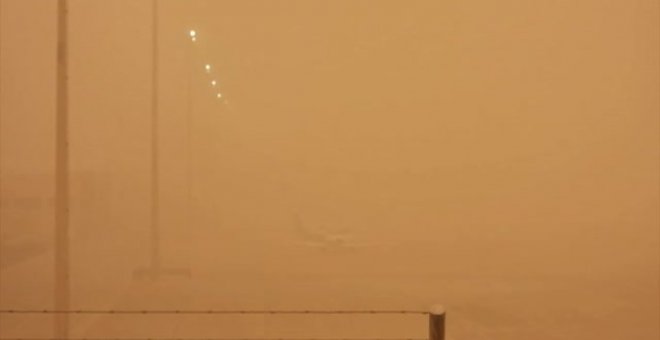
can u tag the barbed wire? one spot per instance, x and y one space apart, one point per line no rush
210 311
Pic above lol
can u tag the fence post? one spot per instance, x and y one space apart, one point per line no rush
437 323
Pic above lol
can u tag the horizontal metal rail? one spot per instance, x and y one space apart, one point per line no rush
183 311
436 320
213 339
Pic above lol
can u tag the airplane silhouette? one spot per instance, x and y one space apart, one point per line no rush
324 238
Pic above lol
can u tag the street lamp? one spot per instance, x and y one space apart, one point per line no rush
155 269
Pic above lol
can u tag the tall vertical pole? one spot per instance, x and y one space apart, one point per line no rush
1 247
437 323
61 298
155 190
189 128
155 269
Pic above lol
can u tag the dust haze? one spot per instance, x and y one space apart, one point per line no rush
499 158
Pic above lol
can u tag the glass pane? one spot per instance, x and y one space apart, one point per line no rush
237 161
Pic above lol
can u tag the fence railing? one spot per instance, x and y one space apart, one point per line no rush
436 317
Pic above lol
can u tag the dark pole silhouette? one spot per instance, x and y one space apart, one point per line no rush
189 127
61 298
155 268
155 174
